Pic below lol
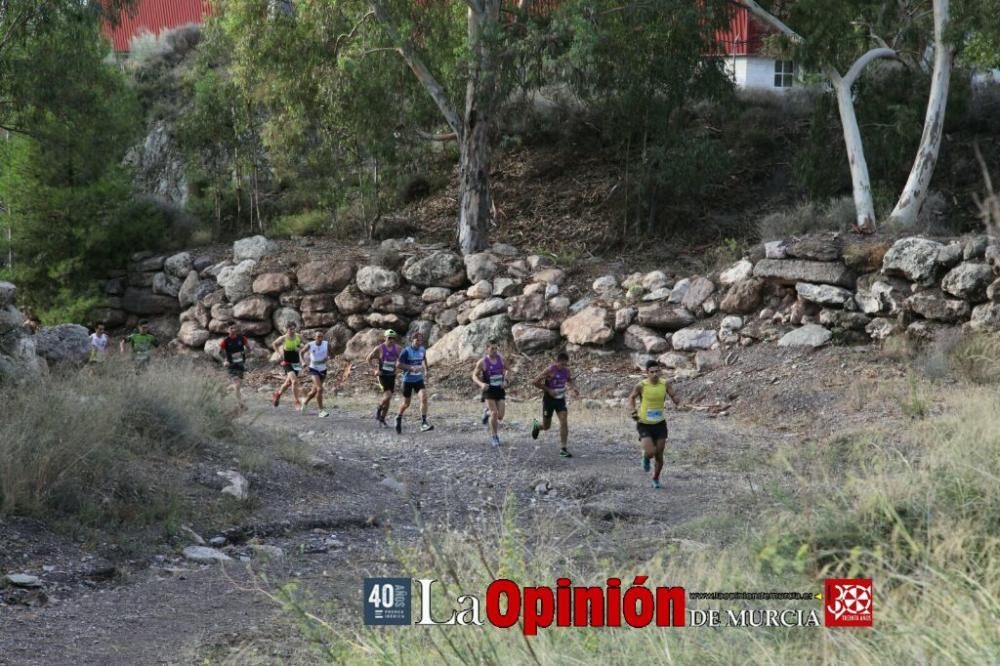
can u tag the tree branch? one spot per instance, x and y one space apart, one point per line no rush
445 136
416 64
770 19
855 71
350 35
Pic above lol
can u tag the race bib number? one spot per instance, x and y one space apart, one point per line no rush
321 366
239 357
496 380
389 367
296 367
559 393
654 414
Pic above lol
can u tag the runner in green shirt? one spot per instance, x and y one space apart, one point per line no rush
141 343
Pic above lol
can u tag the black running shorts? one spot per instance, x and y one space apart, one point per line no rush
655 431
552 405
387 382
409 388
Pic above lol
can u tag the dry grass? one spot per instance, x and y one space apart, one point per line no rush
86 446
917 510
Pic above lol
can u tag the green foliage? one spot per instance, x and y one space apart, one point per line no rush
635 66
309 223
71 215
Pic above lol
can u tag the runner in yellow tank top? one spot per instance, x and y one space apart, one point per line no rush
651 417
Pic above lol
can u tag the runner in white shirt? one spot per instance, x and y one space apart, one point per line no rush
317 352
98 345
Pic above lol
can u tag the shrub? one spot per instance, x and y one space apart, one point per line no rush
976 358
308 223
808 217
86 446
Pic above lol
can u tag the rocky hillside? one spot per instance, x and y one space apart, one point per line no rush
800 292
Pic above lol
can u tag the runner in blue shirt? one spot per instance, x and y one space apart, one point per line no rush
413 362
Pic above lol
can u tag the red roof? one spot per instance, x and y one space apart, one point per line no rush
154 16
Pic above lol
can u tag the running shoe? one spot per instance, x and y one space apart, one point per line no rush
399 423
275 398
323 414
645 463
486 415
495 440
425 427
536 427
564 453
656 484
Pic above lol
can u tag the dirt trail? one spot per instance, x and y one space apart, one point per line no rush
360 479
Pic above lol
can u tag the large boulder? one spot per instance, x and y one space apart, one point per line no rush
198 314
810 335
699 290
481 266
822 294
142 302
816 249
319 319
255 308
338 336
932 305
440 269
881 295
916 259
530 339
738 272
362 343
178 265
329 275
642 339
166 285
318 303
743 297
480 290
254 247
399 302
376 280
679 291
986 317
65 343
194 289
254 328
110 317
273 284
488 308
352 301
468 342
191 334
693 339
664 317
8 293
527 308
624 318
282 317
435 294
968 281
549 276
237 281
790 271
591 326
654 280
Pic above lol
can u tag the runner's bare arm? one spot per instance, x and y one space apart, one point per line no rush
540 380
636 393
477 372
375 355
278 342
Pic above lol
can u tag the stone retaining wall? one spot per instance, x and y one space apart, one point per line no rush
802 292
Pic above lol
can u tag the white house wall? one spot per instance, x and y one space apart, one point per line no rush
754 73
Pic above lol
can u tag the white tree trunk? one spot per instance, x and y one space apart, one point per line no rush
917 185
860 182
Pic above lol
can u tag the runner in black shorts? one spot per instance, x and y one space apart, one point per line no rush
413 363
554 381
383 359
490 375
651 418
235 347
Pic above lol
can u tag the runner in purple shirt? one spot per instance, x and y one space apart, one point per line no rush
490 375
554 382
